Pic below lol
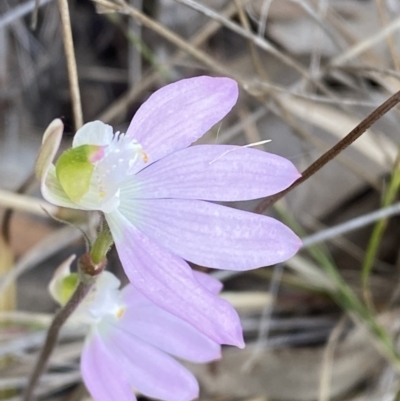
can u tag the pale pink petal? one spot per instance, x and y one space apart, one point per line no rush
180 113
103 373
168 281
165 331
212 284
149 370
212 235
216 173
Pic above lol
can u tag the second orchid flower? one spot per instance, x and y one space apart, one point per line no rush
130 341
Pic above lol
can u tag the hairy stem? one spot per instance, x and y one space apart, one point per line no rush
102 245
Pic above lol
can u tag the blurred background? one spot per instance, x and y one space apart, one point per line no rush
323 326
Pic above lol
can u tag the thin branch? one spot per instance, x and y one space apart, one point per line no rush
71 63
354 134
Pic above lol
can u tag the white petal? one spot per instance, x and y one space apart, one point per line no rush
93 133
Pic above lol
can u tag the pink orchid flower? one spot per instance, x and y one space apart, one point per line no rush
155 194
130 341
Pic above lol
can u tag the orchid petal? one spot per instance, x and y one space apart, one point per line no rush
149 370
93 133
45 170
51 188
168 281
212 284
50 143
55 194
180 113
165 331
215 173
103 373
212 235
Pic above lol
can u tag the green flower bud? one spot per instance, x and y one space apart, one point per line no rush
68 287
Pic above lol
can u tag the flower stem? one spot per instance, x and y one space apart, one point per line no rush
60 318
354 134
102 245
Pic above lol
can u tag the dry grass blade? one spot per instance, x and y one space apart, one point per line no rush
71 63
367 43
27 204
7 298
290 374
260 42
327 362
119 106
44 249
20 11
247 301
351 225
